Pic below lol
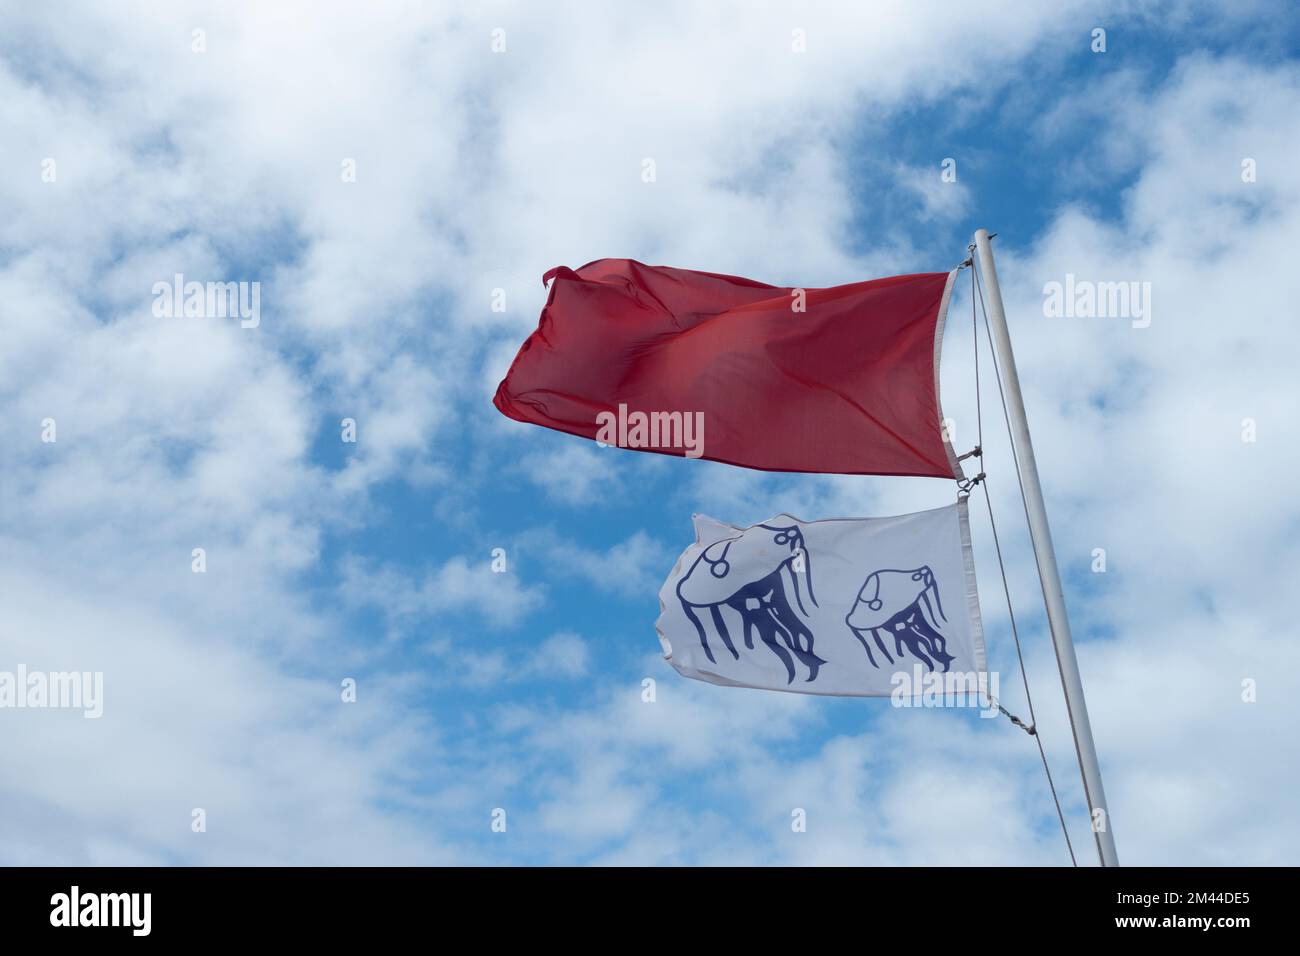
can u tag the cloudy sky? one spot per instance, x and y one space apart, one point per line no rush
381 170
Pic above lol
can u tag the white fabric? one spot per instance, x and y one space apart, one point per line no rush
848 602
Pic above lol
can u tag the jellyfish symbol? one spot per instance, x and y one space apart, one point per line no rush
902 606
753 575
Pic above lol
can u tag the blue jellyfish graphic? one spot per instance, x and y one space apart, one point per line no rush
763 604
904 606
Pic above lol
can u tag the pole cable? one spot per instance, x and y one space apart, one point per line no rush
1032 729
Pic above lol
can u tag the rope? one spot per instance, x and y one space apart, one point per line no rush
966 487
1032 729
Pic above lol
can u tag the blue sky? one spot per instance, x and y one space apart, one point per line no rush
478 171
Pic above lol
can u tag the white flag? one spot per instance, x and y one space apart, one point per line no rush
826 607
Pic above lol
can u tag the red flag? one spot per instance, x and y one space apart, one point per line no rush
842 380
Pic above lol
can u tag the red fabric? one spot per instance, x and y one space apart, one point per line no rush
847 387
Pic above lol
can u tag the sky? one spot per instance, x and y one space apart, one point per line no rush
388 173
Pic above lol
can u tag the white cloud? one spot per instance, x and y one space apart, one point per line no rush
407 600
561 655
939 198
574 473
635 567
222 688
564 656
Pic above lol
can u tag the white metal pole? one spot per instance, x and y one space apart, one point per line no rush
1041 536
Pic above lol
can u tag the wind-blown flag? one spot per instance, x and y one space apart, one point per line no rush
843 380
840 606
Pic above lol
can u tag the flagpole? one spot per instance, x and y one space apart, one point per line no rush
1041 536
